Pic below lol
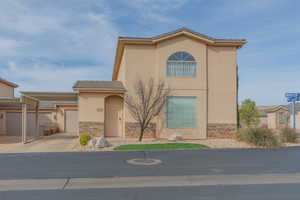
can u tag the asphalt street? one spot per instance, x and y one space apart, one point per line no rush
257 166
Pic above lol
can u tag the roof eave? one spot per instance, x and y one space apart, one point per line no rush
98 90
8 83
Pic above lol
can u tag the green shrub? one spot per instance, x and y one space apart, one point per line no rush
288 135
84 138
258 136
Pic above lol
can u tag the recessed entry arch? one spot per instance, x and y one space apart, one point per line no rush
113 121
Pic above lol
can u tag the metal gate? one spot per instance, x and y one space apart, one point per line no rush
14 123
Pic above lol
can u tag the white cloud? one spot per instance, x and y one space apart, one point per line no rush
60 30
156 10
20 16
38 37
47 77
10 47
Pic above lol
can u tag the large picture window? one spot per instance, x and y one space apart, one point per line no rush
181 64
181 112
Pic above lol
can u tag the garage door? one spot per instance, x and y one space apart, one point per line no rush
14 123
71 121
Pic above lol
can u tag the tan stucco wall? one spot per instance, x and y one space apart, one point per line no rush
190 86
222 106
6 91
272 120
263 121
91 107
91 113
214 85
140 63
122 75
196 49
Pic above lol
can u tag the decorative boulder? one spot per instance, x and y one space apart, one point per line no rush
175 138
92 142
101 142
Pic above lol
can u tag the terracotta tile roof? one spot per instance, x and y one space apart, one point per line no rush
99 85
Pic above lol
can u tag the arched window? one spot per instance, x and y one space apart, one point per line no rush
181 64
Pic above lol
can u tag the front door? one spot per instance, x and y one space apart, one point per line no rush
71 121
113 116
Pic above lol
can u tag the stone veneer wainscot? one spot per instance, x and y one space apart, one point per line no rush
132 130
93 128
219 130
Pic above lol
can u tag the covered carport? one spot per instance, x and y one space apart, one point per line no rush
62 105
26 104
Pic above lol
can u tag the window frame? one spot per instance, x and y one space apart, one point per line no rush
195 117
181 61
282 118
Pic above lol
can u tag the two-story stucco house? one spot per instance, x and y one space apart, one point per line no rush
200 70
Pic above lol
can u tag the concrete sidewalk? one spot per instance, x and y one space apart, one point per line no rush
143 182
66 142
61 142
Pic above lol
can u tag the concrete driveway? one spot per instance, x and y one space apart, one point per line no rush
62 142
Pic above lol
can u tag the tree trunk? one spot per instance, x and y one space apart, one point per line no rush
141 134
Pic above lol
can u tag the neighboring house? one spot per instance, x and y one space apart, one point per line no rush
6 92
263 115
55 111
7 89
200 70
274 117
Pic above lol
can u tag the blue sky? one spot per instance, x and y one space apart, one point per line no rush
49 44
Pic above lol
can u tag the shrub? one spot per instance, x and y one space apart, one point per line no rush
258 136
288 135
84 138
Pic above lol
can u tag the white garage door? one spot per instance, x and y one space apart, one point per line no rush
14 123
71 121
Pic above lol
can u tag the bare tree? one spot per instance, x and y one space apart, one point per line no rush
146 101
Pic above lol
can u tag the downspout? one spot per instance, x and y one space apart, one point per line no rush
207 99
237 98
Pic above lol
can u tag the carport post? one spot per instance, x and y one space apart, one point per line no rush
37 127
24 122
